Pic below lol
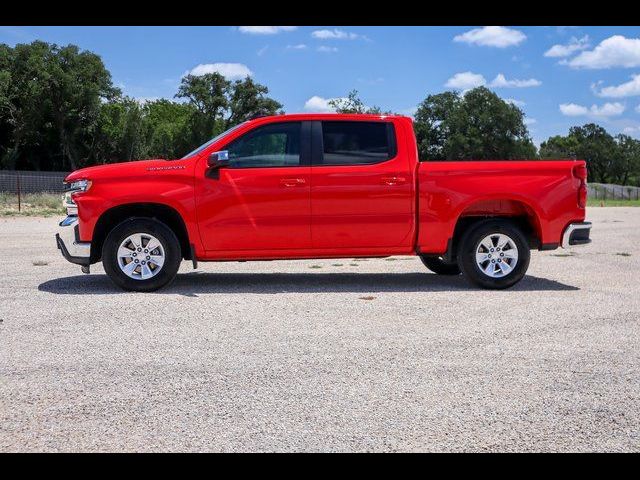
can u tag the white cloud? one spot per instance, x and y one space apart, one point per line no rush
631 130
627 89
513 101
500 37
501 82
335 34
265 30
231 71
574 45
465 81
638 109
262 51
530 121
319 104
606 110
573 110
615 51
299 46
325 49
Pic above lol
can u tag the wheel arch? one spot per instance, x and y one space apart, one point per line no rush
519 212
157 211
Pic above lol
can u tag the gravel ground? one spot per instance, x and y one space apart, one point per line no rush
329 355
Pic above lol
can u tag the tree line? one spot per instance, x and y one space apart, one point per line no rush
59 110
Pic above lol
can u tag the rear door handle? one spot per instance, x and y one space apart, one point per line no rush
394 180
293 182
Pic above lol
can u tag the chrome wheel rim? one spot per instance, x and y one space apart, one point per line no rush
496 255
141 256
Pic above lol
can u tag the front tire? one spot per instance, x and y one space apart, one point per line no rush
439 266
141 254
494 254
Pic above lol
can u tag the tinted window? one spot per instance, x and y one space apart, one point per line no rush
353 143
213 140
276 145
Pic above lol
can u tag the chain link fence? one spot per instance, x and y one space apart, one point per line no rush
607 191
18 188
20 182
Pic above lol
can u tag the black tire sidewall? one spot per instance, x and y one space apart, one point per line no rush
170 244
467 253
439 266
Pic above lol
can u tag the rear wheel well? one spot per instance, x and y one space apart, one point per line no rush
516 212
116 215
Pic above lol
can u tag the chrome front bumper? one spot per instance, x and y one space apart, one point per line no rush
69 244
576 234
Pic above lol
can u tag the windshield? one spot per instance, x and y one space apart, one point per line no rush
213 140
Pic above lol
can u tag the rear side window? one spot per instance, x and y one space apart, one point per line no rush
357 143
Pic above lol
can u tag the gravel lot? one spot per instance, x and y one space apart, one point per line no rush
335 355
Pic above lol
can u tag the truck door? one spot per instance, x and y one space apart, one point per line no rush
362 193
261 201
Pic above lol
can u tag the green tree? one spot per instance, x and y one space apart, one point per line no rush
477 125
249 99
609 159
559 147
598 148
167 129
118 135
352 104
51 98
628 169
220 104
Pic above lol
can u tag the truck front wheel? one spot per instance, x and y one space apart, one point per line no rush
494 254
141 254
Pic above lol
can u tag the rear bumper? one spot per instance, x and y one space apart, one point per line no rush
69 244
576 234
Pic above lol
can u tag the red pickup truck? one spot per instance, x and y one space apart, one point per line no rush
320 186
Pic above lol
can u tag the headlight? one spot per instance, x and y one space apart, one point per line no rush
69 189
78 186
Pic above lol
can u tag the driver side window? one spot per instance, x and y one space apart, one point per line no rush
275 145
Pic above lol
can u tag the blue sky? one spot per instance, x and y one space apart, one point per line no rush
559 76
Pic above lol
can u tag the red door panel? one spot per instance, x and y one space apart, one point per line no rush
362 206
261 199
255 209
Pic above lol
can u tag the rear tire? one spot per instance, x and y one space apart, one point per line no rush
439 266
494 254
141 254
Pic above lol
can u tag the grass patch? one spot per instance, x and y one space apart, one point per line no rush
624 254
315 266
562 254
367 298
32 205
592 202
353 264
337 264
40 263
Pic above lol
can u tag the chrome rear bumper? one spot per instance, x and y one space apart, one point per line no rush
67 240
576 234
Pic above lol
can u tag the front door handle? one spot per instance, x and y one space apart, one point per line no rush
394 180
293 182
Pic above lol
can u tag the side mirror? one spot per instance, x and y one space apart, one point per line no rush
218 159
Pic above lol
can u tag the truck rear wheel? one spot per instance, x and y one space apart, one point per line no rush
439 266
494 254
141 254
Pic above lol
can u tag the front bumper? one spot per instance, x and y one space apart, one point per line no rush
69 244
576 234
